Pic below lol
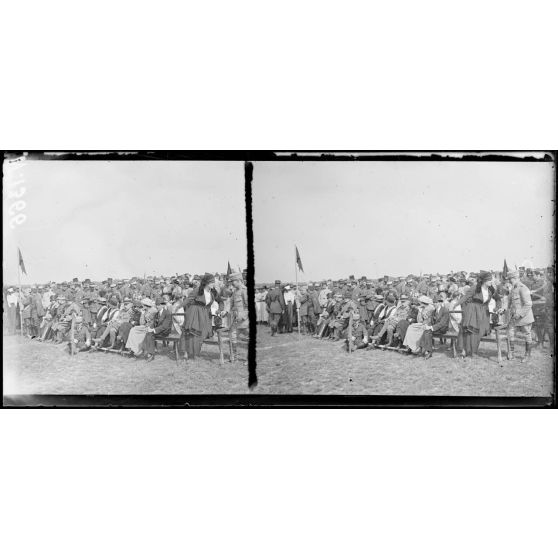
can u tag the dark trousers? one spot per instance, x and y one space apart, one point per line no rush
149 343
288 318
425 342
124 331
312 320
274 322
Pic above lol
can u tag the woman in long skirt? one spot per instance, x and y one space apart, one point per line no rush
197 318
415 331
475 322
137 333
263 316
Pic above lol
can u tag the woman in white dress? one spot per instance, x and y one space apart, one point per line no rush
263 316
137 333
415 331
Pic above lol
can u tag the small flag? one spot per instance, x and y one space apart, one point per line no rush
298 260
505 271
21 264
229 270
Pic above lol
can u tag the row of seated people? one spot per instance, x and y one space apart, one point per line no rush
404 323
131 325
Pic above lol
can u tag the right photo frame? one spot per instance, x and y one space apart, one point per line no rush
418 275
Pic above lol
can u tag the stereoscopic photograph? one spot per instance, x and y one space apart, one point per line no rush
123 276
430 277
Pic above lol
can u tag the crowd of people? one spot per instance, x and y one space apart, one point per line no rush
128 315
406 312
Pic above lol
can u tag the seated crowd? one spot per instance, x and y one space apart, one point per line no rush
123 315
405 313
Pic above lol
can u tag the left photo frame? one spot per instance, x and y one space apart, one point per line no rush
124 278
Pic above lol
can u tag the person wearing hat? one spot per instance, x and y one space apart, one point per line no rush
135 313
339 318
261 308
99 311
290 301
334 320
323 296
12 302
162 326
50 318
137 333
416 330
305 310
439 323
82 336
394 316
322 327
359 337
197 317
111 313
36 312
475 323
381 321
314 308
377 313
47 293
521 315
86 313
66 310
410 318
275 304
116 318
238 312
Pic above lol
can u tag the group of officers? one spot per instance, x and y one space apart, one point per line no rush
383 312
112 313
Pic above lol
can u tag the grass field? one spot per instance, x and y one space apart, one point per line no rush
288 364
31 367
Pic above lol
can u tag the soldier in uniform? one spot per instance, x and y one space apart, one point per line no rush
359 334
64 314
521 315
82 336
275 306
238 311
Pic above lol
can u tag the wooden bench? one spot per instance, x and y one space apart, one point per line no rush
173 338
499 336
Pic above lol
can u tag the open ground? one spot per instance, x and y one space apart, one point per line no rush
289 364
30 367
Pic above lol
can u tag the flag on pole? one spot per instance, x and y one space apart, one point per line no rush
505 271
229 270
21 264
298 260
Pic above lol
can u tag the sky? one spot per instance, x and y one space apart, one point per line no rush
399 218
100 219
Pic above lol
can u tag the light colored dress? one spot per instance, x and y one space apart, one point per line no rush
138 333
261 307
455 319
415 331
177 321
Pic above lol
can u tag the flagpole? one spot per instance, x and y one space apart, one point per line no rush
297 295
20 297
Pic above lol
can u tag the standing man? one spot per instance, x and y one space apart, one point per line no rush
275 306
289 298
521 315
238 311
314 308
